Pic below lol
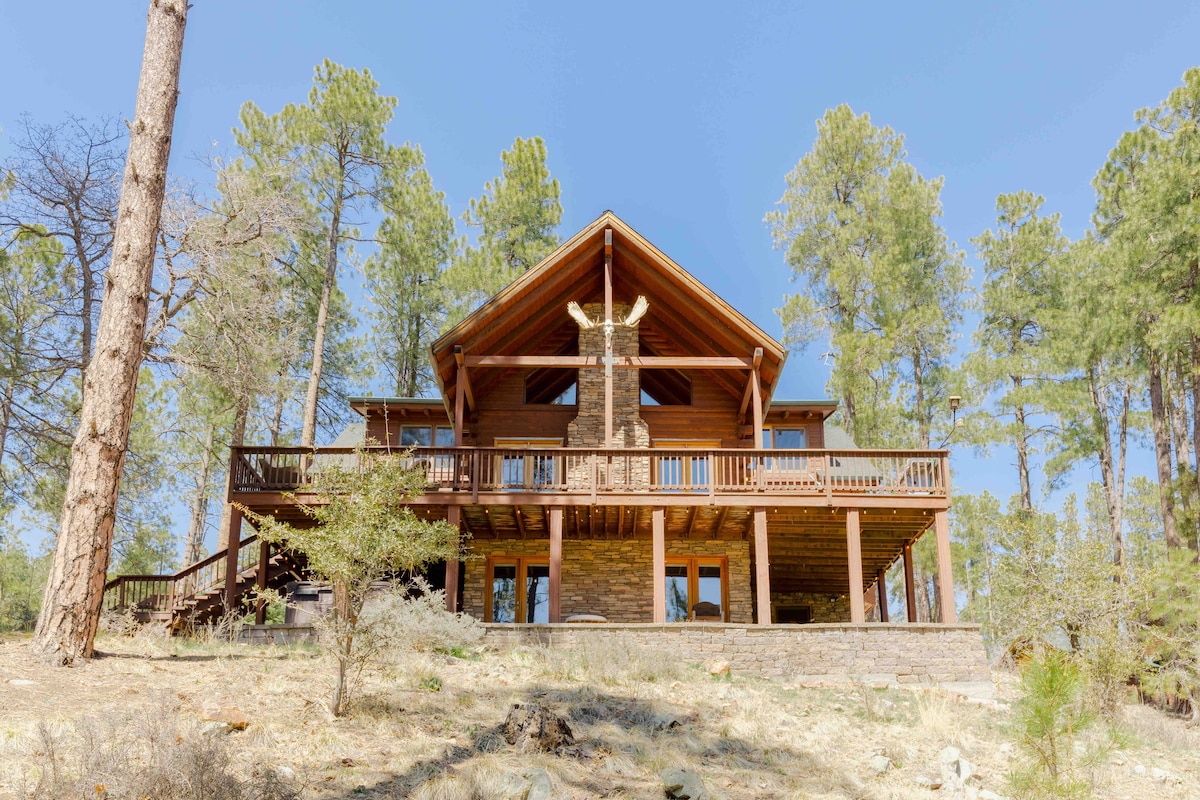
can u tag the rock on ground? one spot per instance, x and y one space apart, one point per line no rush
682 784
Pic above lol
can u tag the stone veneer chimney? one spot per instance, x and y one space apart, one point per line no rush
629 429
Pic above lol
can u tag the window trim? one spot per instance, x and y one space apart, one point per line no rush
522 564
693 564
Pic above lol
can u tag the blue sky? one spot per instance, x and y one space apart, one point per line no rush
683 118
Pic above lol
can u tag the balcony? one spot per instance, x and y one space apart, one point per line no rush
454 474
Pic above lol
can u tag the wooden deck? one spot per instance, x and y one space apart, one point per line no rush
590 476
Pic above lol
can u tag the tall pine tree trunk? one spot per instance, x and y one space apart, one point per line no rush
1195 377
237 437
1022 445
194 544
1112 471
1177 413
1162 453
308 432
70 614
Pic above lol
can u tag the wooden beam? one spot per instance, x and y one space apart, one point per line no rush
520 521
691 525
748 395
881 587
454 517
460 402
487 513
854 561
757 401
910 586
619 362
231 558
941 527
461 360
762 567
721 515
556 526
658 526
621 522
608 353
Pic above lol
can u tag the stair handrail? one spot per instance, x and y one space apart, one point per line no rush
179 581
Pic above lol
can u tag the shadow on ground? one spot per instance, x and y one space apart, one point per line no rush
617 738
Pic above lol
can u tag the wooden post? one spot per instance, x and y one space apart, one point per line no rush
881 585
658 519
858 611
608 328
460 401
756 399
941 526
231 558
260 607
453 517
910 584
556 527
762 566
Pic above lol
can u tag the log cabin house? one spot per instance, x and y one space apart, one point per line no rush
607 432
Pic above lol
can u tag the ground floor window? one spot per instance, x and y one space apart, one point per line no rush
693 581
518 589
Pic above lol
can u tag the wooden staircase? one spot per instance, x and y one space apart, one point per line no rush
196 594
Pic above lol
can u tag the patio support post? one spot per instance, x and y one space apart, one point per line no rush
231 558
260 607
858 611
881 587
658 519
910 584
454 517
762 567
556 526
941 526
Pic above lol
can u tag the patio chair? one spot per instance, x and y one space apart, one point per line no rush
706 612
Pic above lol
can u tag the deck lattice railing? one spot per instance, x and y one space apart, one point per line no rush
573 470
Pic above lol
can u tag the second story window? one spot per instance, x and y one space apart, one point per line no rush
426 436
786 438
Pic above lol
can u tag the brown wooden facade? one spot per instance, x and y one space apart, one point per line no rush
674 451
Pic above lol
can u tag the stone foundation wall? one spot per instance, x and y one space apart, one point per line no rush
613 578
874 653
825 607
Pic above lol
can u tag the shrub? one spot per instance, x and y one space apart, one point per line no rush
154 756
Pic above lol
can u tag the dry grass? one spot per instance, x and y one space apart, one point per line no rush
426 726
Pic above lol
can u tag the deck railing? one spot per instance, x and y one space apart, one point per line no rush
595 471
157 593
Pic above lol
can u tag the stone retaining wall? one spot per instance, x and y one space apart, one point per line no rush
875 653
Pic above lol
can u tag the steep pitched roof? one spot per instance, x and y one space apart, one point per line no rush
686 318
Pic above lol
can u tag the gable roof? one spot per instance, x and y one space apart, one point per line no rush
686 318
